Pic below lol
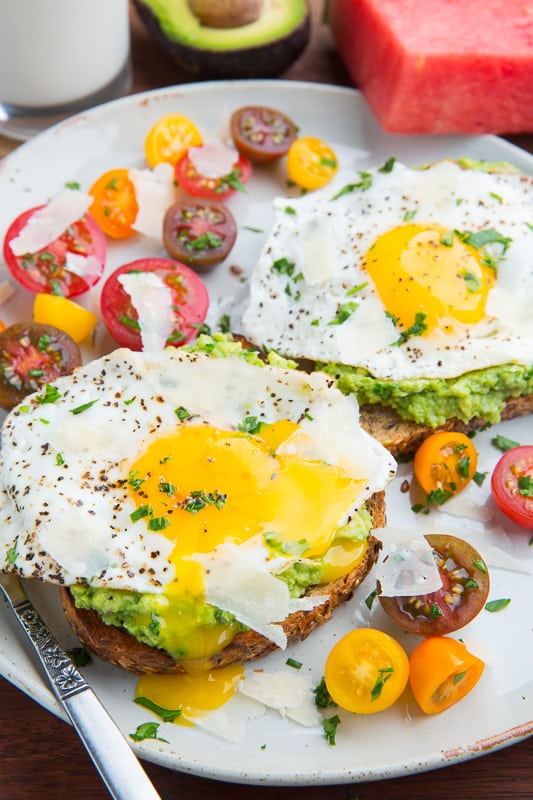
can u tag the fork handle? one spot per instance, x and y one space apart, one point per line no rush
113 757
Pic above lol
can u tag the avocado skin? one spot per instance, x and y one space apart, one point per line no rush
264 61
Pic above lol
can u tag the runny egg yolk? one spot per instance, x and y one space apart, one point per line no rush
429 269
193 694
202 486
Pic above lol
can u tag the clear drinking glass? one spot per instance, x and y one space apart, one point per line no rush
58 57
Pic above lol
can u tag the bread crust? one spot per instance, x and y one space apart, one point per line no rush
124 650
402 437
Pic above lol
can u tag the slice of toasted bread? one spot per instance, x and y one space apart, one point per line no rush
402 437
122 649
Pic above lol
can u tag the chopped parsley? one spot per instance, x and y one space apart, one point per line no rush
497 605
362 185
166 714
11 555
199 499
417 329
148 730
140 512
383 676
330 728
292 662
323 698
79 656
250 425
503 443
525 485
388 166
344 312
51 395
84 407
182 413
479 477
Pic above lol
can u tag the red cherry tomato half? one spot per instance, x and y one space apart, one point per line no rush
262 134
32 355
512 485
46 270
213 188
200 233
190 302
465 588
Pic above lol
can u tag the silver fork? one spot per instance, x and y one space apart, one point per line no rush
112 755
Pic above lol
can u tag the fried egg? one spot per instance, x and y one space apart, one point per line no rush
408 273
171 473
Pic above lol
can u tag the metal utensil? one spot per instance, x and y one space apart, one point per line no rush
112 755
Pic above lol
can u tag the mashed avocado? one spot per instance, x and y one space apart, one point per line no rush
481 393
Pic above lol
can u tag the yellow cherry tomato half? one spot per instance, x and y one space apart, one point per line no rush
170 138
445 462
62 313
366 671
311 163
442 672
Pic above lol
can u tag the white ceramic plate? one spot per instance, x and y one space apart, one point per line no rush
401 740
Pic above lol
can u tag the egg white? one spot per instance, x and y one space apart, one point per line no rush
326 238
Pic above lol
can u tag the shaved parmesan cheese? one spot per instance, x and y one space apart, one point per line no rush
237 579
152 300
214 159
229 721
155 192
290 693
84 266
407 566
49 222
318 260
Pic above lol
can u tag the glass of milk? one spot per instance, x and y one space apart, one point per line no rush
58 57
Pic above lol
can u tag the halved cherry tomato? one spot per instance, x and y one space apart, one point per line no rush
200 233
441 672
189 297
465 588
444 464
512 485
170 138
66 315
32 355
213 188
366 671
115 204
262 134
46 270
311 163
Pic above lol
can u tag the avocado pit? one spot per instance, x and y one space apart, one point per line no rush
226 13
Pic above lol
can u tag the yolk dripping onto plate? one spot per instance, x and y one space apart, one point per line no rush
192 693
428 269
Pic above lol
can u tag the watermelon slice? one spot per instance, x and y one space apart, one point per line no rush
440 66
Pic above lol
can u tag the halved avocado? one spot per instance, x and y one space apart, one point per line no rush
263 48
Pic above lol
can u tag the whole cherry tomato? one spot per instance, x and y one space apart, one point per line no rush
441 672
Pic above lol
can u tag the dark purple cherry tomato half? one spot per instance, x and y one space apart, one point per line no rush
199 233
32 355
512 485
262 134
190 302
46 270
464 591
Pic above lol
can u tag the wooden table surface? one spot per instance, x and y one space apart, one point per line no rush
41 757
